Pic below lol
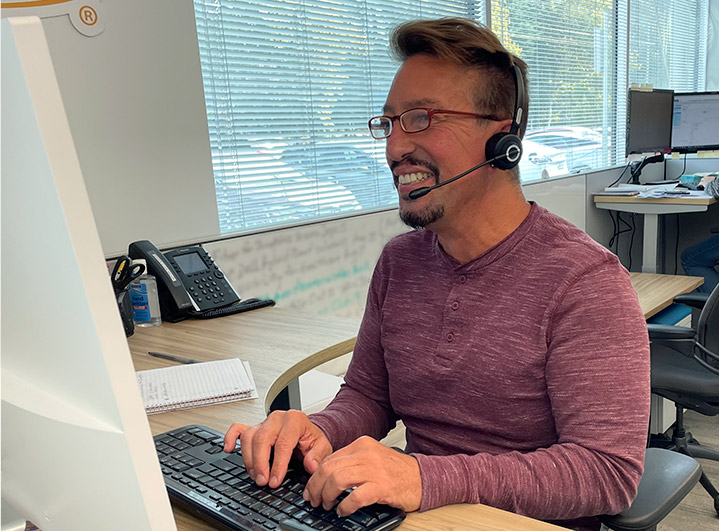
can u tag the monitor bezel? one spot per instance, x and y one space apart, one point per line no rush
693 149
648 149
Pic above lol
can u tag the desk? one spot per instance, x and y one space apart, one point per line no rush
652 208
280 345
656 292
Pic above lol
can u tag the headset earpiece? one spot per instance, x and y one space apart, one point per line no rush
506 148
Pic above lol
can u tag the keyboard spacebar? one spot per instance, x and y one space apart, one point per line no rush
244 522
294 525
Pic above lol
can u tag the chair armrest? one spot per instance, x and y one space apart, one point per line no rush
668 477
695 300
660 331
715 230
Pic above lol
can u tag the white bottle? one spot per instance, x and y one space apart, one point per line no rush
143 298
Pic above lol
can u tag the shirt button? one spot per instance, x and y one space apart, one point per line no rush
462 279
450 337
455 305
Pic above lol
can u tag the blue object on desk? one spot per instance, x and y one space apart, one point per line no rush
690 181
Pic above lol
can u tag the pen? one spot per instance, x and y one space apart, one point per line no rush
178 359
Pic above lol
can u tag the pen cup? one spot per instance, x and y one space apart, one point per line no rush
125 307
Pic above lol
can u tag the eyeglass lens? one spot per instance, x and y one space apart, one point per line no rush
412 121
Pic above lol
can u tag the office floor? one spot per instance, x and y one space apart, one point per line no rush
696 511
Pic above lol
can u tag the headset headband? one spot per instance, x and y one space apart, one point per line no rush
518 101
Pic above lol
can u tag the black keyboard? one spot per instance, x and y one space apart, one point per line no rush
216 487
238 307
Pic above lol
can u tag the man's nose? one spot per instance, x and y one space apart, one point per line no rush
399 145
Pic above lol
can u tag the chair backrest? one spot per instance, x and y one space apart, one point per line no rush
708 323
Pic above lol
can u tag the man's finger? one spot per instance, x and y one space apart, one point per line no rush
362 496
284 448
233 433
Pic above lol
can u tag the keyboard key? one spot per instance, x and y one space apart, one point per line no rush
362 518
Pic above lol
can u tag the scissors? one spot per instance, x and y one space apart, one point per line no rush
125 272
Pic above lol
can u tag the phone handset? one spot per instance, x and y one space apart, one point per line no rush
175 302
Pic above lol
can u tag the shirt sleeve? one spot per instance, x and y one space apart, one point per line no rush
362 405
713 188
597 377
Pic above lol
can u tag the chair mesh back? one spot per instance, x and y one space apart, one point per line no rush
708 324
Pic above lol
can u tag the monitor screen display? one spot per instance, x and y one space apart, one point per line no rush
649 121
694 123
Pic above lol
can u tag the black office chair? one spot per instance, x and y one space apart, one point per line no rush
685 370
668 477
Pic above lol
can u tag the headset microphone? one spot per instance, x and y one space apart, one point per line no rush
421 192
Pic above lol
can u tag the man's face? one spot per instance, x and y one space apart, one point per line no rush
451 145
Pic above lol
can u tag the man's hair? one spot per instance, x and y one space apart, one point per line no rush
464 42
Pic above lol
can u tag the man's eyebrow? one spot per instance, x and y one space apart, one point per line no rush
387 109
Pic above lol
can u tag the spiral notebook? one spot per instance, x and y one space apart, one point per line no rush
195 385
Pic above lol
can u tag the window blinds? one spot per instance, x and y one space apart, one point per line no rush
667 43
289 86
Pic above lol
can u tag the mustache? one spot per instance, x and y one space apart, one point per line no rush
414 161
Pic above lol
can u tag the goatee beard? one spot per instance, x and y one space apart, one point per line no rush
419 220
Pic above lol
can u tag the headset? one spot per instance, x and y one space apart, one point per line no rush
503 150
506 148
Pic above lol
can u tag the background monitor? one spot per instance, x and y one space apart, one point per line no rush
695 123
649 121
77 450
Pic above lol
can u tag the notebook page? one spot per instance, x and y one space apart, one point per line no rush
193 385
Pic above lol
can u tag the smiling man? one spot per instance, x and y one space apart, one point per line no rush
510 344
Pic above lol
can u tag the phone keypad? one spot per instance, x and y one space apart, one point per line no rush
206 288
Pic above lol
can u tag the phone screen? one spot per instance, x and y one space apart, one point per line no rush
190 263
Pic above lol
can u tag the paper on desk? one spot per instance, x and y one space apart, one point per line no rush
641 188
666 193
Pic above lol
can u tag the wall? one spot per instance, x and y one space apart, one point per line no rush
322 268
134 99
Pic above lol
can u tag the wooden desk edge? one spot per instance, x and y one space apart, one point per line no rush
654 200
308 363
642 281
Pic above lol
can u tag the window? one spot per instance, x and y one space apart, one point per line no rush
570 49
289 87
667 43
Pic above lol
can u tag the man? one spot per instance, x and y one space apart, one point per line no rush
702 259
510 343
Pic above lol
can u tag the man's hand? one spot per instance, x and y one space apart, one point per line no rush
378 473
285 431
706 180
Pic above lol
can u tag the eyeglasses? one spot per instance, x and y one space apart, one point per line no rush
414 121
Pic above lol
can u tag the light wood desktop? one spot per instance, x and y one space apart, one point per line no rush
282 344
656 292
652 208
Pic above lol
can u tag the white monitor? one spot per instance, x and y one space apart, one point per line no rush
77 451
